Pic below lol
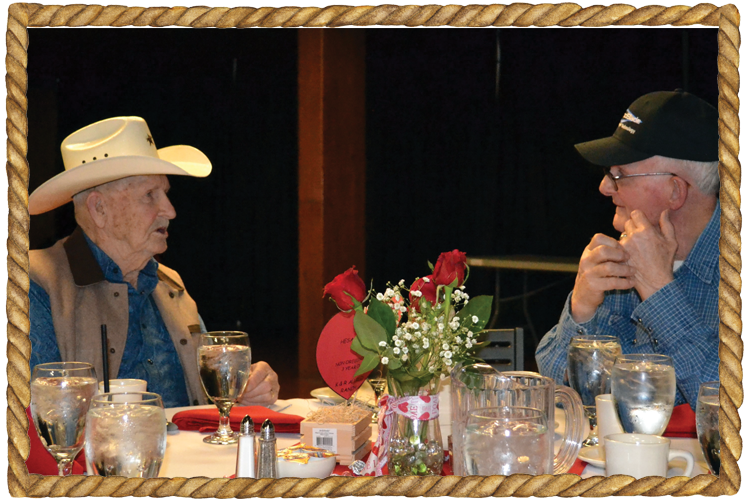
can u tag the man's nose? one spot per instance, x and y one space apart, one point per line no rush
167 209
607 186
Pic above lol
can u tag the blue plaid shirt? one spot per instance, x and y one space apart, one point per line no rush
149 352
681 320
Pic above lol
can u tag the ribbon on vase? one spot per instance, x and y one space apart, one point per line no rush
411 407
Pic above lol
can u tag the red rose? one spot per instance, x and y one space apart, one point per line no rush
428 289
449 267
346 283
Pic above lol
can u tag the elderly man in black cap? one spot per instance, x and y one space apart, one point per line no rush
657 288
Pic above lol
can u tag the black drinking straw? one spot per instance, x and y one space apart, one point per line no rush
105 359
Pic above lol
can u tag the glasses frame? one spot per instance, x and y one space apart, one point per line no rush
615 178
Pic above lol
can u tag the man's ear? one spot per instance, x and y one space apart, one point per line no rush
679 194
97 208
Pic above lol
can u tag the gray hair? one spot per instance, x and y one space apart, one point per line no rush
704 175
79 199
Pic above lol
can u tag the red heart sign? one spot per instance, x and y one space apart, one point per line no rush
337 363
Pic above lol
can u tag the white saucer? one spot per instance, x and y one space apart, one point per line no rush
326 396
593 455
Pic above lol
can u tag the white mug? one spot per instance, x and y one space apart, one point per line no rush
641 455
607 421
119 385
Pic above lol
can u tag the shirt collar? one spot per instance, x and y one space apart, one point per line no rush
89 264
705 253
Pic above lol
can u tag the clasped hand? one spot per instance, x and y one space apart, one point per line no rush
262 386
642 259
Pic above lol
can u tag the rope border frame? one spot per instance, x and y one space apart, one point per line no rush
24 15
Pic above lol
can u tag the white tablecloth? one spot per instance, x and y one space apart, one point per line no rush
188 456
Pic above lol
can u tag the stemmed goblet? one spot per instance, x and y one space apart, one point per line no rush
590 362
378 382
60 397
643 389
224 363
707 424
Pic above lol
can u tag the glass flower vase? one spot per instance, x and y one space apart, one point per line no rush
416 445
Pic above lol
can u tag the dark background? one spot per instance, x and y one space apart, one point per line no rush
470 137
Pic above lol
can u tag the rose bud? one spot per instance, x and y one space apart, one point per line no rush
449 267
345 283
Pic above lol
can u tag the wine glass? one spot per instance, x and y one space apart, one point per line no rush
707 424
126 435
590 362
379 383
60 397
224 362
643 389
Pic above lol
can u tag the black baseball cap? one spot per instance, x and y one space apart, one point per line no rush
672 124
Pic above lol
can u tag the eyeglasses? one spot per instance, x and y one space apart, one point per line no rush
615 178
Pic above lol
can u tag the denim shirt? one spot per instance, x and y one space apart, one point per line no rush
680 320
149 352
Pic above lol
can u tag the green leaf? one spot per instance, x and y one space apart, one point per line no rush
481 307
394 364
432 268
368 364
383 314
359 348
369 331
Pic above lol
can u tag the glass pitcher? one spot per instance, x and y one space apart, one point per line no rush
481 386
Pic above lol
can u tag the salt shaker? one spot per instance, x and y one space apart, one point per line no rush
246 449
267 451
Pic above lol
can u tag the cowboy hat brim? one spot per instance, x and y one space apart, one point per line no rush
173 160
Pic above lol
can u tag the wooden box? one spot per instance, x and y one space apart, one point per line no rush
346 440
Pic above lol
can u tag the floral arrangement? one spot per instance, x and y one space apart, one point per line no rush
419 333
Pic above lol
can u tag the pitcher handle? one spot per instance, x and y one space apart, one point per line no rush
575 420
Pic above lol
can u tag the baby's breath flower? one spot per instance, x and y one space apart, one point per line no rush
458 339
431 369
403 309
426 280
399 343
401 283
474 319
389 293
415 325
382 343
384 360
407 336
470 334
404 357
396 350
441 327
405 349
448 362
448 355
445 346
379 296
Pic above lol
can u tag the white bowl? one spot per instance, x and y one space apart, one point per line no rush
315 467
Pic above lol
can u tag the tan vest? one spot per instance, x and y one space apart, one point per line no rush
82 300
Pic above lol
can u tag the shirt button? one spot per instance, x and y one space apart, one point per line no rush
640 321
112 350
635 341
195 401
656 341
150 361
117 294
650 329
580 330
183 342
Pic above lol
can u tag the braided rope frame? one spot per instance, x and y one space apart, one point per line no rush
21 16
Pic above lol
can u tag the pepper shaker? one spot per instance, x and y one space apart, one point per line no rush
267 451
246 449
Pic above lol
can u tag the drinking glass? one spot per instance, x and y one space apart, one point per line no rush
60 397
643 388
590 362
505 440
126 437
378 382
707 424
224 362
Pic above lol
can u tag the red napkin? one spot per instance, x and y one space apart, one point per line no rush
682 423
207 420
40 461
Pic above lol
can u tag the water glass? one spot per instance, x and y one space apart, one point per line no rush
505 440
707 424
126 434
643 388
60 397
590 362
224 363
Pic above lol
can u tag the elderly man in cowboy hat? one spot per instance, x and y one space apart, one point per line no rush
105 272
656 288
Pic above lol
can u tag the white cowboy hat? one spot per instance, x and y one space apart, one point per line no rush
109 150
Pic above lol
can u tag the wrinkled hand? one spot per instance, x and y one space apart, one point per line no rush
603 267
262 387
651 250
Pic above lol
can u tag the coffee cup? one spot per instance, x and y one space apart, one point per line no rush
641 455
122 385
607 421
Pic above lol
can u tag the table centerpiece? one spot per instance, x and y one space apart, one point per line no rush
419 333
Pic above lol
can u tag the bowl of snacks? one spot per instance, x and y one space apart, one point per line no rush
304 461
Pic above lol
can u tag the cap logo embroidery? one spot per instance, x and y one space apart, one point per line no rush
629 117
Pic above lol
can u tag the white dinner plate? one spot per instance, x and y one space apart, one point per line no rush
593 455
326 396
